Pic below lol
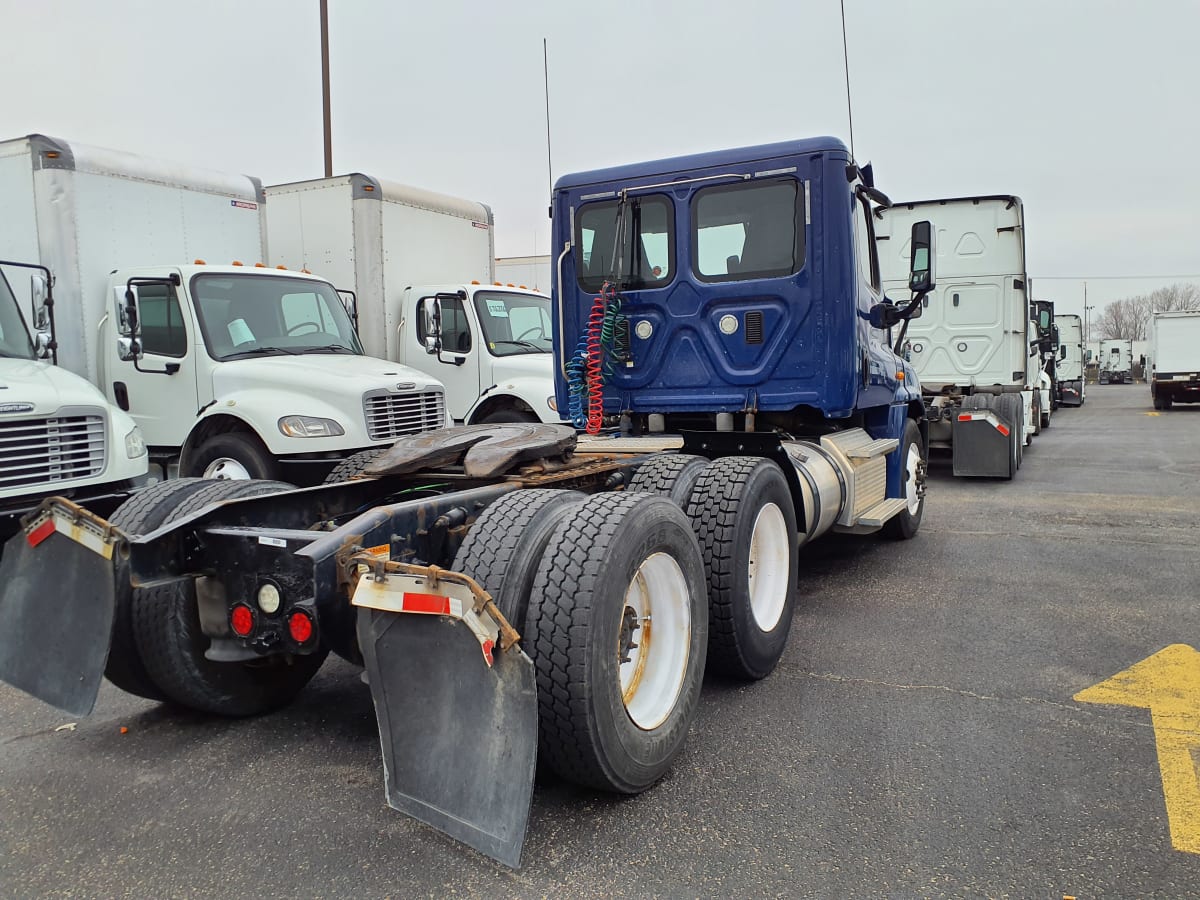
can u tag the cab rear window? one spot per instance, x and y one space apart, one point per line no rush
748 230
631 243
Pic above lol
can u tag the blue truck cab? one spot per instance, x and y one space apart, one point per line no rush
745 281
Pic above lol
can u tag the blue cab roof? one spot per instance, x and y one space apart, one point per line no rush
711 159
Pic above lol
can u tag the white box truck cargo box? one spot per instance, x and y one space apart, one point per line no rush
1173 360
290 395
404 252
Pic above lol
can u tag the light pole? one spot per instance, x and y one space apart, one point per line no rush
1087 330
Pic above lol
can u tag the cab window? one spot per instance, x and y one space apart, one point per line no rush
748 230
456 331
864 244
161 321
631 242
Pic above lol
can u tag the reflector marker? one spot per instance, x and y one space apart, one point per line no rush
40 533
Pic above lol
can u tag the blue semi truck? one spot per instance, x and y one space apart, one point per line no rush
523 592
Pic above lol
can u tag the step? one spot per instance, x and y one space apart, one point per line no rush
881 512
588 443
857 444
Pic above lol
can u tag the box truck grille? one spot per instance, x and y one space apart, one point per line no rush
60 448
390 415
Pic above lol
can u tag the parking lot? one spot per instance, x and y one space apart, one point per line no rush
920 737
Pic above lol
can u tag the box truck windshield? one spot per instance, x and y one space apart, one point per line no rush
514 323
243 316
14 339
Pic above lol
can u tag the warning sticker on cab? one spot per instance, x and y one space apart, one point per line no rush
243 204
380 550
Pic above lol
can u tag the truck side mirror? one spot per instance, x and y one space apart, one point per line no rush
129 347
431 310
921 277
38 291
884 315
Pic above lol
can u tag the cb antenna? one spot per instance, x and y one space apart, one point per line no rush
846 62
546 82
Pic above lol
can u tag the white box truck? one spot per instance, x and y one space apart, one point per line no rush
1069 366
1116 361
408 254
1173 360
974 345
58 435
231 371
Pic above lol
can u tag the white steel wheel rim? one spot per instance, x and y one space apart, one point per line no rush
769 567
227 469
653 676
911 464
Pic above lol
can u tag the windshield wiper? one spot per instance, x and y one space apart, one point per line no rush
267 350
534 347
329 348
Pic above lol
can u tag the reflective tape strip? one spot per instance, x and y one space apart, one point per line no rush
986 417
403 594
40 533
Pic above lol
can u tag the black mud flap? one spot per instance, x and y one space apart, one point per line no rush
982 445
57 598
459 736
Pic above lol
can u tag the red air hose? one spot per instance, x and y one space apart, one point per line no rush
595 383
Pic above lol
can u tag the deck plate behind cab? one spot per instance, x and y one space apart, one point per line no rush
483 450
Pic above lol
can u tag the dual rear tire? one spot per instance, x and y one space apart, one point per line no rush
158 646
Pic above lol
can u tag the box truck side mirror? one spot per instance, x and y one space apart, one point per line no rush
921 276
38 291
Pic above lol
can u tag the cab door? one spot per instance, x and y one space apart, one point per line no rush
456 364
159 389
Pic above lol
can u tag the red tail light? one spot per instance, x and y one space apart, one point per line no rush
300 627
241 620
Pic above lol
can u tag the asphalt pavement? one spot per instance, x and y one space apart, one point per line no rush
919 739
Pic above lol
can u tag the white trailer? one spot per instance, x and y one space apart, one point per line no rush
973 346
1069 365
230 371
1173 360
407 255
58 435
1116 361
525 271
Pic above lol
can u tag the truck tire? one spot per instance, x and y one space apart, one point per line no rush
354 465
140 514
507 414
903 526
745 523
167 629
504 547
602 722
1012 410
672 475
232 456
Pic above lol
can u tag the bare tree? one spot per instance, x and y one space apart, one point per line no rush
1128 317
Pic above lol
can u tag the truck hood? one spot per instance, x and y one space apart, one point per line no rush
25 382
524 365
327 376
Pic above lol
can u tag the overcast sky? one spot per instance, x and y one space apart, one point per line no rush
1087 109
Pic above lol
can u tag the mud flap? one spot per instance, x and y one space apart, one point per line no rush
981 445
458 727
57 598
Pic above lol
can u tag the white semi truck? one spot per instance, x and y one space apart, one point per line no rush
1173 363
974 345
231 371
1116 361
1070 382
58 435
404 252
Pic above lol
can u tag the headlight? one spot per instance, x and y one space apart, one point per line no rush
135 446
309 426
552 403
